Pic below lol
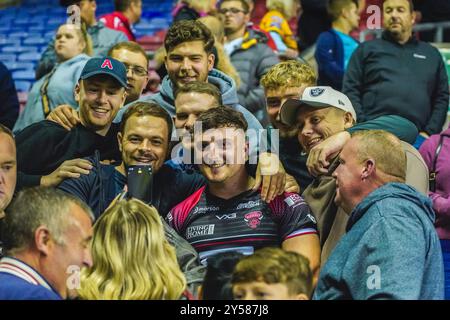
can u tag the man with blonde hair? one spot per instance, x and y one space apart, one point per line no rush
391 249
283 81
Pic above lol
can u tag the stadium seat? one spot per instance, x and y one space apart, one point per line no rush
34 41
24 75
16 66
29 56
19 49
22 86
7 58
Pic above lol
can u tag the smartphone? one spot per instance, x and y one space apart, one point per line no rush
140 182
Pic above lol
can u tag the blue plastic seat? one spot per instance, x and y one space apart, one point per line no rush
22 86
29 56
19 49
34 41
24 75
7 58
21 66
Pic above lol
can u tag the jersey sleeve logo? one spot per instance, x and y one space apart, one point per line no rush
253 219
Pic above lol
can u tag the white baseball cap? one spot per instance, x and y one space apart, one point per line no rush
319 97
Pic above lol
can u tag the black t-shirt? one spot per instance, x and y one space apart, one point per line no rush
44 146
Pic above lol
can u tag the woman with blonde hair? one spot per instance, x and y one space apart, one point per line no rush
275 22
132 260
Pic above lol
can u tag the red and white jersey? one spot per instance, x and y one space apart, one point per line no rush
117 21
243 223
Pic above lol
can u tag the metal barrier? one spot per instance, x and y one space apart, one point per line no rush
439 26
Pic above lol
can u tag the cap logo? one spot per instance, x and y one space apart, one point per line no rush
341 103
316 92
107 64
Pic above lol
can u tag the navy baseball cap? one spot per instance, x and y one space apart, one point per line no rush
105 65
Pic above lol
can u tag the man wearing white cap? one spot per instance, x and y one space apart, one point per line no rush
326 119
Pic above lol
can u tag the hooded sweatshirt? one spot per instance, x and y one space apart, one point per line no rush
59 91
165 98
390 251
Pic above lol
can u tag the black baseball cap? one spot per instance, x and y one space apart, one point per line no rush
105 65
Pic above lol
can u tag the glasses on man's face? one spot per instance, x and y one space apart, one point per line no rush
224 11
137 70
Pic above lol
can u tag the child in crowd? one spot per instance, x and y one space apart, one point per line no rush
272 274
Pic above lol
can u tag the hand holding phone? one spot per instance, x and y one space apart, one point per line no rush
140 182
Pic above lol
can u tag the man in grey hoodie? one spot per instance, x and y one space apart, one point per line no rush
391 249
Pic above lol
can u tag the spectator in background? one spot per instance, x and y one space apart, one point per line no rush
8 173
222 61
436 153
47 234
132 260
217 281
398 75
9 109
72 47
272 274
335 46
390 250
193 9
249 54
102 37
135 60
275 21
127 13
313 21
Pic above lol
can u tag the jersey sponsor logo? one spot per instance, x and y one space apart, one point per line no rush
248 205
226 216
253 219
198 231
316 92
205 209
293 199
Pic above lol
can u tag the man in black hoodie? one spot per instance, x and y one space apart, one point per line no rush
398 75
47 153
